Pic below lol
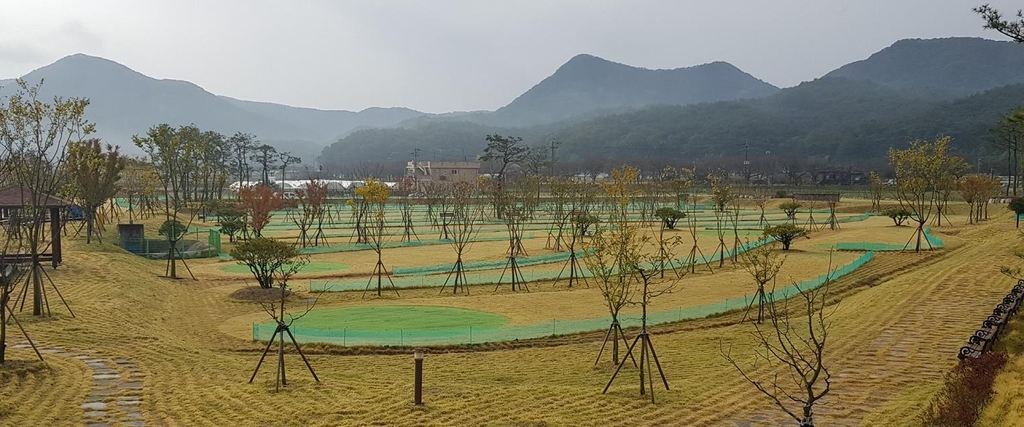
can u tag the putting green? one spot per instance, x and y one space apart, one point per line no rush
394 317
312 267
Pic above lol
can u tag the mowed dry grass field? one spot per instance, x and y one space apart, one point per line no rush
897 330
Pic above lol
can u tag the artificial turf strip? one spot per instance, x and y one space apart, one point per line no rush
400 317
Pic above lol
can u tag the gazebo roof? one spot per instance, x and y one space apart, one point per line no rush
13 197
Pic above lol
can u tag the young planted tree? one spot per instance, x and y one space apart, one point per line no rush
173 153
678 182
286 263
784 233
649 290
789 364
138 185
952 168
34 138
580 197
515 208
408 226
375 195
761 201
95 174
311 200
920 170
691 225
464 229
721 195
790 208
993 189
560 192
613 251
975 189
581 222
877 188
259 202
606 252
666 247
763 263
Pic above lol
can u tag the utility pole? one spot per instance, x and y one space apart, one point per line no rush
415 173
746 162
554 146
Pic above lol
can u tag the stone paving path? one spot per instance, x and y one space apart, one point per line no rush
115 394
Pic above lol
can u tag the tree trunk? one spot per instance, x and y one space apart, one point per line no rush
88 227
920 231
4 296
171 259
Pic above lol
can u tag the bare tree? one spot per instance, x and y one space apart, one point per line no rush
374 195
462 219
789 365
649 290
763 263
311 200
609 248
283 320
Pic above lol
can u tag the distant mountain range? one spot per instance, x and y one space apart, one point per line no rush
914 89
587 83
124 102
601 108
950 67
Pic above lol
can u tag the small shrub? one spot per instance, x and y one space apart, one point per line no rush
968 387
784 233
1016 205
172 229
669 216
267 258
790 209
897 215
781 194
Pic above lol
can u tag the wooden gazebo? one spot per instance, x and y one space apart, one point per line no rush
13 199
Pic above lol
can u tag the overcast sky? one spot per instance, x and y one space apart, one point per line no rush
439 56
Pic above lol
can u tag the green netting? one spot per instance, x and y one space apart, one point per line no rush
487 264
338 334
490 277
935 243
354 247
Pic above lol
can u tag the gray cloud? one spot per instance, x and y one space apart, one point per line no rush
458 54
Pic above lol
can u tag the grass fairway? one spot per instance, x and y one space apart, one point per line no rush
407 317
896 333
